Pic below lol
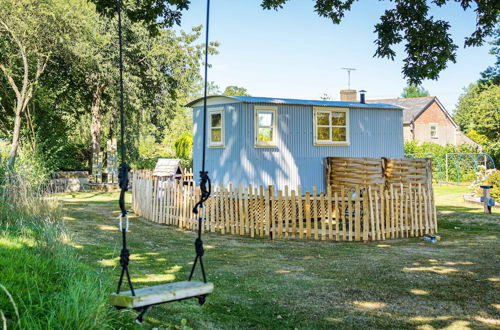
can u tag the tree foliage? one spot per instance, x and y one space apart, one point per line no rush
413 90
478 113
184 146
236 91
79 84
492 73
428 44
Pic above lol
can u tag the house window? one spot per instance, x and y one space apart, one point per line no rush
216 128
331 126
434 132
265 126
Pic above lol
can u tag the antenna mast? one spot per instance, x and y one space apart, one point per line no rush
349 76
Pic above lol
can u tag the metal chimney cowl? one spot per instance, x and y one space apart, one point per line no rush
362 96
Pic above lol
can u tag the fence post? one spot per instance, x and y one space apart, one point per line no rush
269 211
357 215
307 211
315 216
301 212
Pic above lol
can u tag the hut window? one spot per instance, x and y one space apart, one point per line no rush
331 126
265 126
216 128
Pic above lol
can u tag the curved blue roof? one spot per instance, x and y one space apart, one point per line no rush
317 103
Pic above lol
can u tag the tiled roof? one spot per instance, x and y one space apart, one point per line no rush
412 106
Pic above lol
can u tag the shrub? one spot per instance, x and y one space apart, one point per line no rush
184 147
494 180
459 168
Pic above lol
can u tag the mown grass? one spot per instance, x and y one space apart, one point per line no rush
308 284
44 285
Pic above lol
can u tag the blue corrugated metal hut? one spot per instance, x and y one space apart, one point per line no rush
272 141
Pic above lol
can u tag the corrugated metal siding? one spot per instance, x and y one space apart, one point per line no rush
296 161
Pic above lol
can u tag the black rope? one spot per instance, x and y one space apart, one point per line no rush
205 183
124 170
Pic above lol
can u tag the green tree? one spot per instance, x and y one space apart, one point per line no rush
413 90
31 32
184 146
236 91
428 45
74 103
492 73
478 111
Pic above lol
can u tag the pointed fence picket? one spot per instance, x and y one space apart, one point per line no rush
360 213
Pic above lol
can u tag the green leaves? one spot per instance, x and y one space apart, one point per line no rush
236 91
413 90
478 113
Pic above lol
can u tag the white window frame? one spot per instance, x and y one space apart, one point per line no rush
212 144
431 125
265 144
330 110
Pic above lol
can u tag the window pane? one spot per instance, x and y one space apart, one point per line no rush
216 135
216 120
265 135
339 134
323 119
265 119
338 118
323 133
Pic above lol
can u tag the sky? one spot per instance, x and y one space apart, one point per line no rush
294 53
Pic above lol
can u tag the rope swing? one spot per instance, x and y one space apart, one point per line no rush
143 298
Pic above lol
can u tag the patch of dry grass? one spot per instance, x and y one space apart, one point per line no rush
309 284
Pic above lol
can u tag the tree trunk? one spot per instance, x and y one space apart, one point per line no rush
15 135
96 128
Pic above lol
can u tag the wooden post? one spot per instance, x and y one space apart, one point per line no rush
393 214
342 214
372 213
301 213
307 209
329 212
243 212
324 216
401 211
357 215
314 204
366 224
349 208
294 214
279 210
337 217
286 218
269 211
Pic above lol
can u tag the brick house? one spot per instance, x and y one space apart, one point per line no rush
426 120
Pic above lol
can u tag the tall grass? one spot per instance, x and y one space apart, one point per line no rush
44 284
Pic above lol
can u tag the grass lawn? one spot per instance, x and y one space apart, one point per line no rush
306 284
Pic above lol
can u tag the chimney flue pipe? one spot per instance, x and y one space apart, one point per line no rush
362 98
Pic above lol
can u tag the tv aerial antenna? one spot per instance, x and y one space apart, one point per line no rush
349 76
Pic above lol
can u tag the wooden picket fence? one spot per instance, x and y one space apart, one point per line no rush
362 213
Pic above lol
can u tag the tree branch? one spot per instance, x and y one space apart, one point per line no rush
11 81
24 58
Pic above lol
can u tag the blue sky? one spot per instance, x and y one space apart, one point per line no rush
296 54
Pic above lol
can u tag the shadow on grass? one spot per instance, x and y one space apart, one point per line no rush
302 284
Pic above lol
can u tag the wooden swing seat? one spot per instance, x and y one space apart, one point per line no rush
160 294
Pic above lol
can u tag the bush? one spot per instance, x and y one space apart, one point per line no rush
184 147
494 180
459 168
